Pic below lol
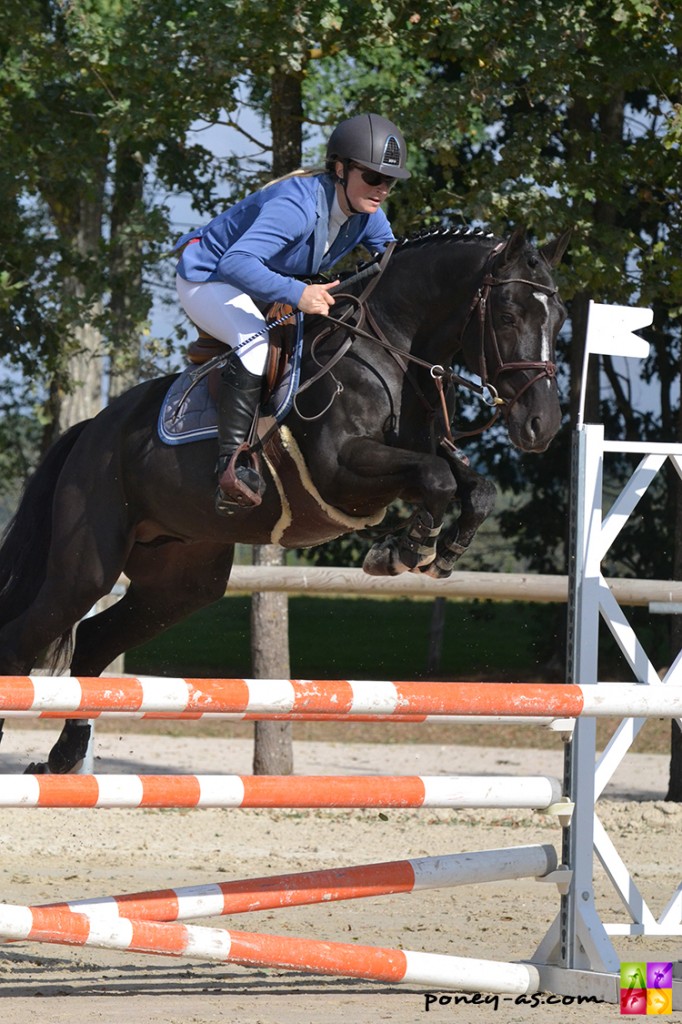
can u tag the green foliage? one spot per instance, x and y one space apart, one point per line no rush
390 640
93 106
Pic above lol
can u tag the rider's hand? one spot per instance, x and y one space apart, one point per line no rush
316 298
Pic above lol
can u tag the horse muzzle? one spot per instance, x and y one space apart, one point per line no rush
532 411
533 422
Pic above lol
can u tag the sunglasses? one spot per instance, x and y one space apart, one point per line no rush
373 178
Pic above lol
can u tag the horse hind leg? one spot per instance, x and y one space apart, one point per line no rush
75 734
168 584
47 625
68 753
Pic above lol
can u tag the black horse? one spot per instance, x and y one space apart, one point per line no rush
110 497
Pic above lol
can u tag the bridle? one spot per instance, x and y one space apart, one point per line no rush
546 370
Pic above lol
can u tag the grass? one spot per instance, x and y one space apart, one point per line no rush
362 638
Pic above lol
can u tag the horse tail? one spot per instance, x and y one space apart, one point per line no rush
27 538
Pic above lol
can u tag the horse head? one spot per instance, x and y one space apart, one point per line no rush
510 335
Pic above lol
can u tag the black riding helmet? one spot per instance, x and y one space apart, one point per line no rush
372 141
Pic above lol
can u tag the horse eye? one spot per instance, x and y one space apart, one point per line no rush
533 261
507 318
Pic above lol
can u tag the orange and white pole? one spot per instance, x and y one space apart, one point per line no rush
329 885
67 696
376 963
535 791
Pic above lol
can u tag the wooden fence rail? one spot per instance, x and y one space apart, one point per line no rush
469 585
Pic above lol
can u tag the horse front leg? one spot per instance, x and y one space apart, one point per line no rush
426 480
477 498
411 551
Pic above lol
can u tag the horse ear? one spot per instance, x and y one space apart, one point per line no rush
514 246
554 251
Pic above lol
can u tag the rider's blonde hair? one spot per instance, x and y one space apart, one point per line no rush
302 172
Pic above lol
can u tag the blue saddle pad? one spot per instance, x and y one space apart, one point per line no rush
187 416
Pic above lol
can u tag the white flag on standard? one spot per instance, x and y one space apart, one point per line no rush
609 333
609 330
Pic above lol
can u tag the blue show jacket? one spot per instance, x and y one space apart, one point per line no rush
262 243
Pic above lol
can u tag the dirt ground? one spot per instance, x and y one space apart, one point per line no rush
67 854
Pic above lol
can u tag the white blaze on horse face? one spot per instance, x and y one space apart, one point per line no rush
546 346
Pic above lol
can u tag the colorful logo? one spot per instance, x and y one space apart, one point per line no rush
646 988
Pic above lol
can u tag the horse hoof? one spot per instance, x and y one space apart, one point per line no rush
435 572
382 560
44 768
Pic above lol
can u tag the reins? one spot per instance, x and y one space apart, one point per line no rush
353 330
443 378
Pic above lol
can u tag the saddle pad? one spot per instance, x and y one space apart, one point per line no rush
187 416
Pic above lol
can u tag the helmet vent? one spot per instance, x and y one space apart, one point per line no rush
391 152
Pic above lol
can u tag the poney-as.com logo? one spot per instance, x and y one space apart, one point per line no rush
646 988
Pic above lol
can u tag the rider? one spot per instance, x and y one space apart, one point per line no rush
261 250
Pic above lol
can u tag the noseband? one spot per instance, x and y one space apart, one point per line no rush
546 370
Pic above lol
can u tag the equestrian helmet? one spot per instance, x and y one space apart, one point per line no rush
371 141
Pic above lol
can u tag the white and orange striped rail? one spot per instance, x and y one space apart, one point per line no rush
537 791
253 950
219 716
329 885
69 695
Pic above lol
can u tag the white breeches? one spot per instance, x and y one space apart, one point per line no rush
228 315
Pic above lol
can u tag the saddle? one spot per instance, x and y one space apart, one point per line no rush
281 341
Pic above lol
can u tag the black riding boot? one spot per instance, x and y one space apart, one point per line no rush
240 485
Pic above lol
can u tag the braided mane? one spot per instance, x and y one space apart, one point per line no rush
456 234
423 237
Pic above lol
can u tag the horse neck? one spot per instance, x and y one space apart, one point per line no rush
425 295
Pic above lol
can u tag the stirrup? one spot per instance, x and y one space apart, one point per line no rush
239 486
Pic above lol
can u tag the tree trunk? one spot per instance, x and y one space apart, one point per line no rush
579 311
286 122
85 373
84 364
675 778
273 752
125 370
581 120
77 208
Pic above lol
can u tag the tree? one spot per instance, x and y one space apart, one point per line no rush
94 110
563 115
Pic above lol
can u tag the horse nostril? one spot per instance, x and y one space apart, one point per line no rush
537 435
